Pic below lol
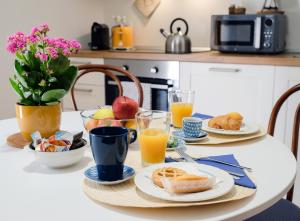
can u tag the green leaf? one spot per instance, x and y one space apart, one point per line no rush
20 74
59 65
52 103
27 94
34 62
52 79
66 79
34 78
16 87
19 67
20 56
53 95
27 102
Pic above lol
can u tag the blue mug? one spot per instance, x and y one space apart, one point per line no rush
109 147
192 127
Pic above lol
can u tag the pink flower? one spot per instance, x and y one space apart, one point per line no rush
52 52
74 45
16 42
33 38
41 56
42 29
66 52
34 31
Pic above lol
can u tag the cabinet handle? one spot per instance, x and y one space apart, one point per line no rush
83 90
81 62
231 70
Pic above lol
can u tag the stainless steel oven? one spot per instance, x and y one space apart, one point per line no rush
157 79
248 33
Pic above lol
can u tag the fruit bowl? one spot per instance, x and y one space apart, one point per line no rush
90 122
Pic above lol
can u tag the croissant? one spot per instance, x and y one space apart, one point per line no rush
230 121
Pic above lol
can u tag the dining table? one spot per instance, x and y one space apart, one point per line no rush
31 191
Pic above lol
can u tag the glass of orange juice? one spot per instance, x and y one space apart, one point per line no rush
181 105
153 135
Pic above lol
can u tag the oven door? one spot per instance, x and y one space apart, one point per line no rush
236 33
155 91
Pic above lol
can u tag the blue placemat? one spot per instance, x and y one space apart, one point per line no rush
243 181
202 116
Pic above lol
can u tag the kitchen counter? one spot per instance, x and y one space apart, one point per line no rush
288 59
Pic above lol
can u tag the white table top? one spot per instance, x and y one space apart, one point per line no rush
29 191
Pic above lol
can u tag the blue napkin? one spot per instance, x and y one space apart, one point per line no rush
243 181
202 116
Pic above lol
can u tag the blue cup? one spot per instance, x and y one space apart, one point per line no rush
109 147
192 127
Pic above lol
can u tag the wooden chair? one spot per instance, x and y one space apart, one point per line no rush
108 71
283 210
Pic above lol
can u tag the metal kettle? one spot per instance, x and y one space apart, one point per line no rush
177 42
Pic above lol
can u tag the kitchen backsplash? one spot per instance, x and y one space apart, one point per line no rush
197 13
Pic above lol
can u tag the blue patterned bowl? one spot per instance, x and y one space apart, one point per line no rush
192 126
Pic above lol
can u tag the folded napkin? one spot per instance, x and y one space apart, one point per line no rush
243 181
202 116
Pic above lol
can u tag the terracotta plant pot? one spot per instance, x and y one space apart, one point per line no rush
45 119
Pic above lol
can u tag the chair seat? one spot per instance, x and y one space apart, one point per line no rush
283 210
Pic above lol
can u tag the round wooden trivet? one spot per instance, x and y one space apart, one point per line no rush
17 140
128 195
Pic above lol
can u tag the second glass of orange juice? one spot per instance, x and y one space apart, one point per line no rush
181 105
153 135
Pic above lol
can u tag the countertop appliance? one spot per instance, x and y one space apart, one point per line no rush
122 34
99 37
177 42
257 33
157 79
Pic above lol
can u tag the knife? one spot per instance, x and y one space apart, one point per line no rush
188 158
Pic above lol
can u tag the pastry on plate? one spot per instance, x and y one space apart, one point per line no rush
166 172
175 180
230 121
187 183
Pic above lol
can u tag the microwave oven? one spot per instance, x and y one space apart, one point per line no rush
255 33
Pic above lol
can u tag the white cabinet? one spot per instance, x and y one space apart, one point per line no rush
89 90
222 88
285 78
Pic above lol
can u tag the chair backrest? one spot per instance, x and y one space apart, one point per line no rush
295 133
108 71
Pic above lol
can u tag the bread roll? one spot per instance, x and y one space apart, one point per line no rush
230 121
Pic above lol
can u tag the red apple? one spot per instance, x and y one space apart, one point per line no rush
125 108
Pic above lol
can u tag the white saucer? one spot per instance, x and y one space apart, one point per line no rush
92 174
179 134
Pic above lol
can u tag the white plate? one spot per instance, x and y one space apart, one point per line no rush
246 128
224 182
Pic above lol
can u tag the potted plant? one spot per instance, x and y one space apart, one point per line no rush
43 76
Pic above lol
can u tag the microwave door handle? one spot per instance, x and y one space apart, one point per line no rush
257 32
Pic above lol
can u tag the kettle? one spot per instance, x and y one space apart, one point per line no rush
179 42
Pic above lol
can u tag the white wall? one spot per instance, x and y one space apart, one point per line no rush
66 18
197 13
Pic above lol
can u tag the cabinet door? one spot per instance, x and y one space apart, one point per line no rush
285 78
223 88
89 90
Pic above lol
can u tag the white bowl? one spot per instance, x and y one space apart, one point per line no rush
59 159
